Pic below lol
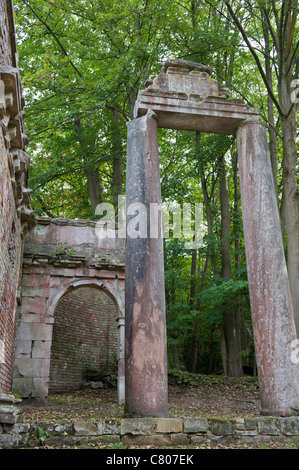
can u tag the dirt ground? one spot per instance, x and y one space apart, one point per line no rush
207 396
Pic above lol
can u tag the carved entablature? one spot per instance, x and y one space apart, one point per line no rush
12 119
184 96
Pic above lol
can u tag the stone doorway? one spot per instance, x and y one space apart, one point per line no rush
84 340
185 97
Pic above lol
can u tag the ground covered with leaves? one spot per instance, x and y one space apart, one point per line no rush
196 396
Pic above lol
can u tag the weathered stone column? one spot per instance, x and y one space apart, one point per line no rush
146 382
271 306
121 361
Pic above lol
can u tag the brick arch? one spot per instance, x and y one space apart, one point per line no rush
101 284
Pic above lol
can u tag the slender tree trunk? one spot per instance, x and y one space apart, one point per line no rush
175 356
94 187
92 173
271 127
231 332
291 208
196 305
117 149
237 216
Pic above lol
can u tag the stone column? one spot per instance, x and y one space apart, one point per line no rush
271 305
121 361
145 324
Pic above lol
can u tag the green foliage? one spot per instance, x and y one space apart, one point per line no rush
82 65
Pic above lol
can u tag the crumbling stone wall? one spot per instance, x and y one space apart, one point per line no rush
60 257
84 338
15 213
7 33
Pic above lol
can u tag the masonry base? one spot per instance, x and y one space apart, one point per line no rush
156 432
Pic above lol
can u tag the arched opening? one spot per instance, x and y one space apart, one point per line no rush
85 338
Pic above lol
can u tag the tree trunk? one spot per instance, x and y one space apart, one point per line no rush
117 150
291 208
94 187
92 173
175 356
237 216
230 330
271 127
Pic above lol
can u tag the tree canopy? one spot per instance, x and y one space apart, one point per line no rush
82 64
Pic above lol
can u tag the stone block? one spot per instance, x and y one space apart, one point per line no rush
222 427
108 439
154 440
34 305
104 274
56 281
100 427
82 272
9 410
8 418
33 291
41 349
246 433
22 386
180 439
138 426
30 280
40 387
9 398
35 331
32 318
240 424
196 439
290 426
85 428
169 425
250 423
268 426
195 425
8 440
110 427
35 368
18 428
23 348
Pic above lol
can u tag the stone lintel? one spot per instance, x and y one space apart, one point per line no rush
212 114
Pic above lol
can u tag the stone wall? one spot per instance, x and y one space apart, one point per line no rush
159 432
7 34
190 431
61 256
84 338
13 433
15 213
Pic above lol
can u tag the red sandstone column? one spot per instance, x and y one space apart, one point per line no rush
271 306
146 384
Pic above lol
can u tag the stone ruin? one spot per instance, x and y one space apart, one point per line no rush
33 277
185 96
62 255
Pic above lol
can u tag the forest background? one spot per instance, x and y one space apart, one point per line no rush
82 65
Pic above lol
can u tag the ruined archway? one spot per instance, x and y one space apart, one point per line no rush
61 256
84 338
185 97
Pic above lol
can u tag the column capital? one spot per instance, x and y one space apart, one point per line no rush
251 120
